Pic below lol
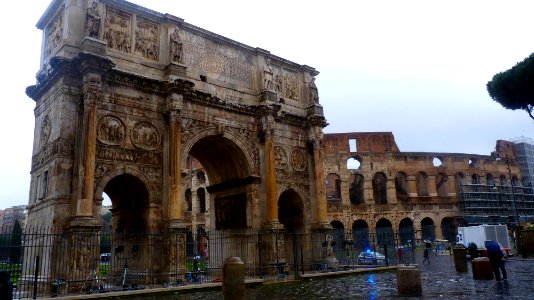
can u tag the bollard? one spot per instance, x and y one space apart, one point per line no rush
460 258
409 281
482 269
233 285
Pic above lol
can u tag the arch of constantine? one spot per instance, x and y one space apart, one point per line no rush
126 97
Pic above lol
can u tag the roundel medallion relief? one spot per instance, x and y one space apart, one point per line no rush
145 136
110 130
45 130
298 160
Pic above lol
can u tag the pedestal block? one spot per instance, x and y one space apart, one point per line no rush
482 269
233 285
409 281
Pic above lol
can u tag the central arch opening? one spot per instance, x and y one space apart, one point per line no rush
226 169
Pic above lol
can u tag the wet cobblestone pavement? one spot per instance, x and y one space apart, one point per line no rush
439 280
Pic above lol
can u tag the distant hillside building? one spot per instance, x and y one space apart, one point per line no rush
11 214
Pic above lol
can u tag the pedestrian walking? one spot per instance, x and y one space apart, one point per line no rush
497 257
426 256
400 254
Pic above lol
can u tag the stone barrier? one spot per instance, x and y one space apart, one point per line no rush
233 285
409 281
460 258
482 268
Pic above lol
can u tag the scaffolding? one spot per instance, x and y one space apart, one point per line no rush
494 204
524 153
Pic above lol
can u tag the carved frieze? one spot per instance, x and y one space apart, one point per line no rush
145 136
110 130
283 175
54 33
192 127
298 160
58 147
117 30
112 153
147 39
46 127
280 157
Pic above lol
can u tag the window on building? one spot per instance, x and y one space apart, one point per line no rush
45 185
188 200
201 195
354 163
380 188
333 187
401 186
421 182
352 145
356 189
442 184
201 177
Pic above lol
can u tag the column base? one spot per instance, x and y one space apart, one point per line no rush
322 225
178 225
85 221
273 225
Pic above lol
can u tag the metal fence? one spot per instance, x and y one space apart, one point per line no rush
44 262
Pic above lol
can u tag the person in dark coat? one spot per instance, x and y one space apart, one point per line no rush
497 259
6 287
426 256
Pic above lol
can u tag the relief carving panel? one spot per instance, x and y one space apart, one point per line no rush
54 33
147 39
145 136
298 160
46 127
112 153
110 130
117 30
290 85
59 147
280 157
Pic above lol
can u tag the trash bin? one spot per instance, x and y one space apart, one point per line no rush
460 258
482 269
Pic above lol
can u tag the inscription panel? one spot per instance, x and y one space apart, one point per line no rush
213 57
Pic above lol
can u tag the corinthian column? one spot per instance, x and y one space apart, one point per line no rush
175 205
84 207
318 158
270 180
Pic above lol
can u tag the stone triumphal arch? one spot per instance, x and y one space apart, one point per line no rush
125 95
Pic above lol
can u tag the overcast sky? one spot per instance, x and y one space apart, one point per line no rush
416 68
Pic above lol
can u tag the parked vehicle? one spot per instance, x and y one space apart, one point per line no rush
479 234
371 258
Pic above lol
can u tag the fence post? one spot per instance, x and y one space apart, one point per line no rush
260 254
36 277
